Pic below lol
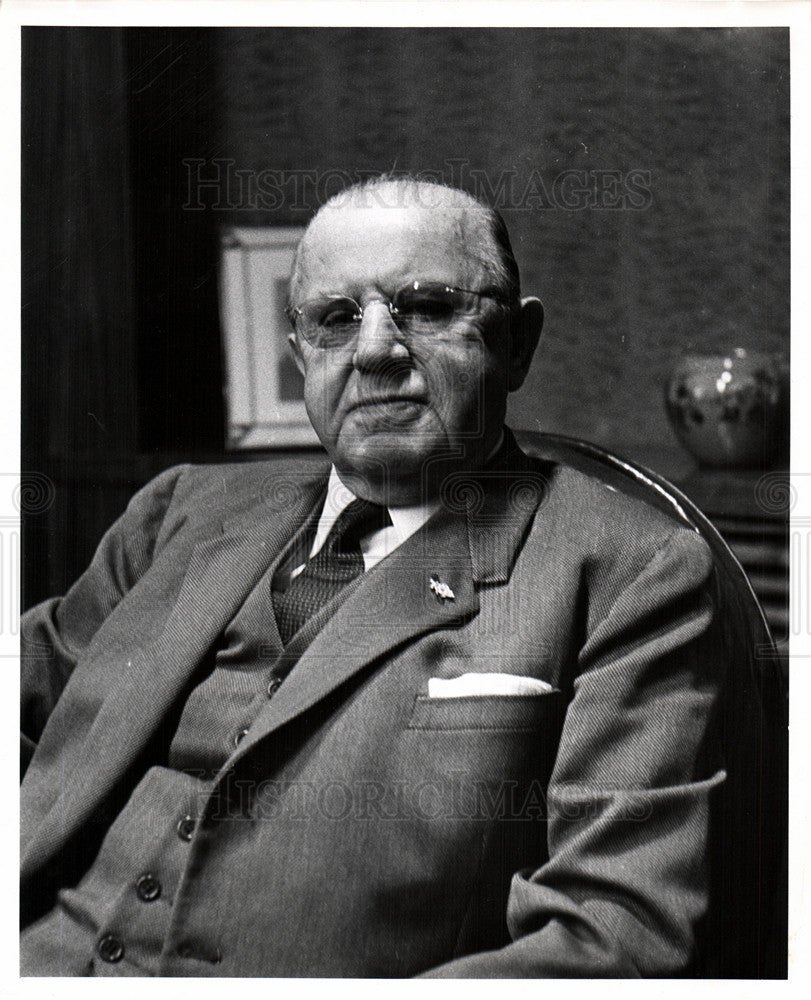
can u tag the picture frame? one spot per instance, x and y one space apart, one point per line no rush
264 391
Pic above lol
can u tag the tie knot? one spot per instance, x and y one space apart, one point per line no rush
359 518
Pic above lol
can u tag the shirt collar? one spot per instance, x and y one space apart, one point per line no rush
405 520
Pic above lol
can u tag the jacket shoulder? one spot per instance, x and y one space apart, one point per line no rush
224 490
609 524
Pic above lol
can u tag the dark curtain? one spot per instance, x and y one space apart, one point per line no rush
78 314
120 333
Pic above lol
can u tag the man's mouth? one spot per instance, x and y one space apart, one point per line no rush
388 399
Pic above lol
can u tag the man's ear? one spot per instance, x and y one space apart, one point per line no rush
526 332
295 349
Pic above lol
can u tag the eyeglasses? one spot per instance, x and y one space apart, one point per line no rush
421 308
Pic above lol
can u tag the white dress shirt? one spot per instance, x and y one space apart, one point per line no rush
377 545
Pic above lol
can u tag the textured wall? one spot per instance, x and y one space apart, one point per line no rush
700 261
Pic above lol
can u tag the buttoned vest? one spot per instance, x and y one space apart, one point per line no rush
116 919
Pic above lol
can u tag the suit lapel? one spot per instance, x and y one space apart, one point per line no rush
221 572
501 501
394 603
387 607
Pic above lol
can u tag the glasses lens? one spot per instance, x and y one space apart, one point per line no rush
329 322
425 308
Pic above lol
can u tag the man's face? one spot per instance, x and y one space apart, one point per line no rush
396 412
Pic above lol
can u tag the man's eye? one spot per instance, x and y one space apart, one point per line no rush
430 307
338 314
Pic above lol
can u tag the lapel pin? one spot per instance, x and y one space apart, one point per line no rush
442 590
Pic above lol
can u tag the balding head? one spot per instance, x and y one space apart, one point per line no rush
478 231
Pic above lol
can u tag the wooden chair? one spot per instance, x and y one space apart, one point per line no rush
745 934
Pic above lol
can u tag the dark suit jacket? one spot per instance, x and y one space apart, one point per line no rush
363 828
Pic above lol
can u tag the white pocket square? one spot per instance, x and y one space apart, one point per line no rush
484 684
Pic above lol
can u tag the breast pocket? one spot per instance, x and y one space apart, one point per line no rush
487 712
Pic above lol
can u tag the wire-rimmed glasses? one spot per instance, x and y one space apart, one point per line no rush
420 308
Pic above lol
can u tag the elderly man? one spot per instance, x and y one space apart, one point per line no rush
436 709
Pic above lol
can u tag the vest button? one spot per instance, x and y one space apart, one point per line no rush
148 888
110 948
274 686
185 828
240 736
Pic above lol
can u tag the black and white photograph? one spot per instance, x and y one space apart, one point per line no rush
406 575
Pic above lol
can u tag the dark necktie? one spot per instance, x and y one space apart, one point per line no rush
337 563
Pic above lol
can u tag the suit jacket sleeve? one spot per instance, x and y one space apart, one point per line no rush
54 634
625 884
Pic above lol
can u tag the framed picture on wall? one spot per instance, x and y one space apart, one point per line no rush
264 389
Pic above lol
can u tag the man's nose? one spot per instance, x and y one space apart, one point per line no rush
379 340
